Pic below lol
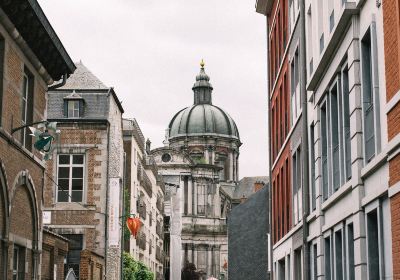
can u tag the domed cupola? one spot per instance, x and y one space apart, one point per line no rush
203 118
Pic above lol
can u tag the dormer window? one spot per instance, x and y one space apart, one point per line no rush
73 106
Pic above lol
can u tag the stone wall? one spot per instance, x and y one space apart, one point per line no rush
247 238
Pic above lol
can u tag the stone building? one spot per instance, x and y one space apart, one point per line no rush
145 190
248 230
391 29
83 190
31 58
346 226
199 164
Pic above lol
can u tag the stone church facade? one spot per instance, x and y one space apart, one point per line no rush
199 163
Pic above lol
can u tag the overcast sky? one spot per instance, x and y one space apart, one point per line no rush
149 51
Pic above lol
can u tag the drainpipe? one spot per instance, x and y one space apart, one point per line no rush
304 141
123 216
269 217
64 80
107 195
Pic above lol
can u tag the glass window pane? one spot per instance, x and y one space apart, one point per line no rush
62 196
63 184
63 172
77 159
77 184
15 259
76 196
63 159
77 172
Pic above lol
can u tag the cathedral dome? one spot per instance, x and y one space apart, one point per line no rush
203 118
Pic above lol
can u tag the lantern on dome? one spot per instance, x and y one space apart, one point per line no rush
133 225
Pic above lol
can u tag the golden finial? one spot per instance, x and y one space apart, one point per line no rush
202 63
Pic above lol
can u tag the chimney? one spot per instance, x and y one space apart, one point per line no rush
258 185
242 199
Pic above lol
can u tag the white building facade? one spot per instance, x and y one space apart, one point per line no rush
349 221
145 190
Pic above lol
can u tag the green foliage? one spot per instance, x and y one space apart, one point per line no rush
135 270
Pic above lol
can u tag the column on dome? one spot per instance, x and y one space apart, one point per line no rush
190 196
209 260
230 166
195 256
195 198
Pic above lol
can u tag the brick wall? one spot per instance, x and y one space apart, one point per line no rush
19 163
91 140
55 249
91 266
391 11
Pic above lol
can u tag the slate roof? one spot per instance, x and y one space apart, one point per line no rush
83 84
82 78
246 186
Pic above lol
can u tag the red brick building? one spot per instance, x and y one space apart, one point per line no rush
31 58
391 21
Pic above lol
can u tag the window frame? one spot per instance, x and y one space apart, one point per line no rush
71 165
339 229
375 206
17 273
297 175
374 91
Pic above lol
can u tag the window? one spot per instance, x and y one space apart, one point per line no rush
314 262
324 150
18 263
295 88
328 260
339 255
26 108
201 199
370 89
73 108
297 190
321 43
297 264
310 38
350 252
75 247
373 250
70 178
346 121
335 135
332 20
312 168
282 269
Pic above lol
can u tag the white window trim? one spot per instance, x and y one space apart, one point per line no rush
84 191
